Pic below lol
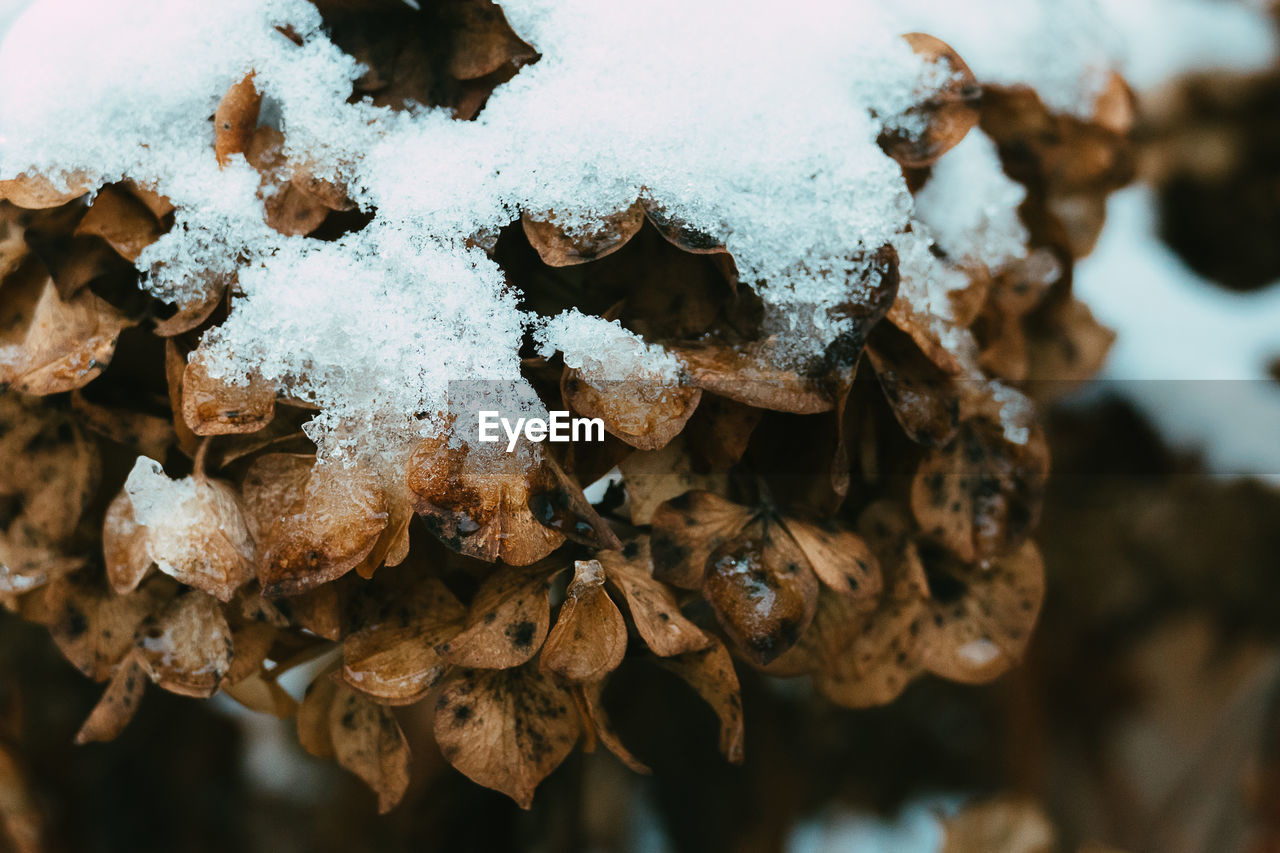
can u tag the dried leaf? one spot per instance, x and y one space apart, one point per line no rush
508 618
645 416
654 477
186 649
589 639
35 192
747 375
978 634
368 741
559 249
980 496
93 628
325 533
118 704
124 546
505 729
47 344
686 530
762 590
484 41
212 406
236 119
480 507
922 395
120 218
839 557
290 209
947 115
710 673
394 660
653 606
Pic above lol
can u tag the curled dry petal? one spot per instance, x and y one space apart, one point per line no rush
264 695
761 588
653 606
235 119
480 507
92 628
212 406
644 415
324 533
710 673
121 219
368 741
560 249
505 729
124 546
313 716
508 618
118 704
839 557
186 649
747 375
656 476
49 344
394 660
980 634
36 192
593 715
947 115
923 396
980 496
589 639
686 530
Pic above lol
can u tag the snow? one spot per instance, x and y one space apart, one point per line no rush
1192 355
600 349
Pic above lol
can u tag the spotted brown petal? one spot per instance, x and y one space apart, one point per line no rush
589 639
505 729
710 673
186 648
508 618
980 496
686 530
118 704
480 507
923 396
839 557
982 633
326 532
652 604
594 715
368 741
93 628
761 588
394 660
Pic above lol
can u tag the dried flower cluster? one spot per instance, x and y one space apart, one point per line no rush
861 515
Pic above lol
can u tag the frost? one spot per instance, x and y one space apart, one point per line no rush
602 350
971 206
757 129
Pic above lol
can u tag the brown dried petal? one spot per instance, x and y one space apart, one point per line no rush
213 406
923 397
368 741
290 209
656 476
1001 825
686 530
747 375
710 673
985 632
36 192
192 314
838 556
484 41
313 717
235 119
93 628
882 654
589 639
272 485
644 415
324 534
124 546
981 495
50 344
559 249
118 704
174 366
594 715
762 590
250 644
653 606
479 510
394 660
508 618
119 217
949 114
148 434
506 729
186 649
259 693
